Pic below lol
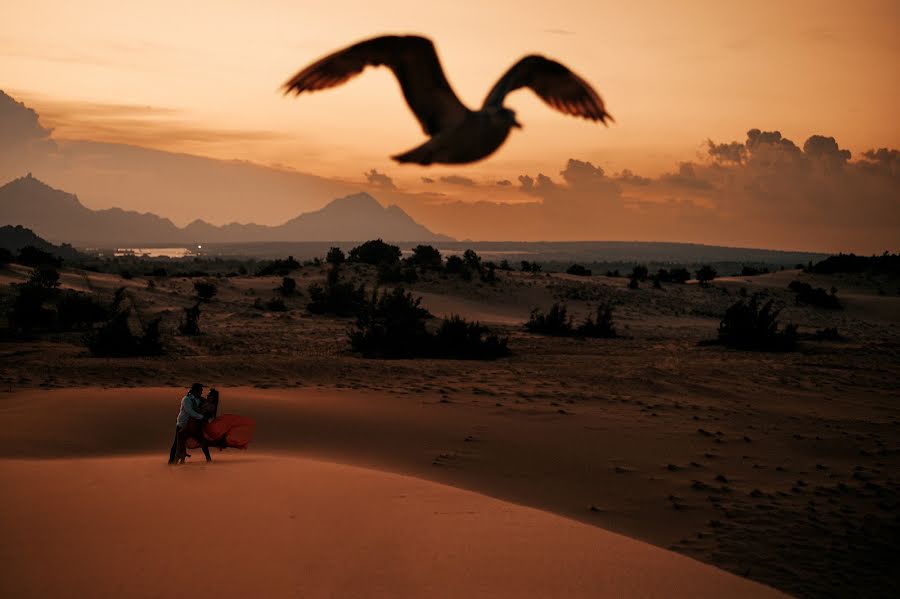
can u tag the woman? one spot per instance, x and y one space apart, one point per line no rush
227 430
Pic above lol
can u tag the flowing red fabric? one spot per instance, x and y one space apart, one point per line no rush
227 430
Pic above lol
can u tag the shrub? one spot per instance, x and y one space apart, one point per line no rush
633 283
555 322
45 277
206 290
679 275
336 297
489 273
115 338
335 256
462 340
749 325
397 272
76 310
613 273
578 270
375 252
817 296
276 304
426 257
5 256
288 286
886 263
32 256
455 265
600 326
278 267
391 325
532 267
28 309
752 271
191 323
472 260
706 274
639 273
505 265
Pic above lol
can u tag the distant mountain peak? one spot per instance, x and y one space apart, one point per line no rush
60 216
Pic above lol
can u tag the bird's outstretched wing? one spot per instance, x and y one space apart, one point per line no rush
555 84
415 64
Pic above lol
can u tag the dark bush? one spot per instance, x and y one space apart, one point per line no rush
375 252
505 265
276 304
639 273
206 290
336 297
278 267
32 256
886 263
679 275
578 270
426 257
555 322
45 277
391 325
633 283
706 274
5 256
397 272
335 256
288 286
472 260
191 323
115 338
489 273
749 325
28 310
613 273
532 267
599 326
752 271
77 310
455 265
807 294
462 340
159 272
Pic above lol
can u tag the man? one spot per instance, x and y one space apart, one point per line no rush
189 421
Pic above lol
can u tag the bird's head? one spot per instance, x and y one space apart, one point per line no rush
508 118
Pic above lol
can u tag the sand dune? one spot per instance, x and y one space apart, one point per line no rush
267 526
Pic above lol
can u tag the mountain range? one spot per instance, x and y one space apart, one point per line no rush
60 217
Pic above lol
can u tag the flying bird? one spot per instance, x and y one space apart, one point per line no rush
457 134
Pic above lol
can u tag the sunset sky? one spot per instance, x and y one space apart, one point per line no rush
203 77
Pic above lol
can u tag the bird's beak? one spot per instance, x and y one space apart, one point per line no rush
517 124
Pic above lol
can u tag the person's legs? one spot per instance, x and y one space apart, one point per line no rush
174 448
181 442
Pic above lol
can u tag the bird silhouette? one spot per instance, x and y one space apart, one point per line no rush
458 135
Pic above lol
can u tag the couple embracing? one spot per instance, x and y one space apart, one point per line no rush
199 425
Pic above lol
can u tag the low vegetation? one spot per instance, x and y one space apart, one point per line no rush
336 297
754 325
557 322
815 296
393 325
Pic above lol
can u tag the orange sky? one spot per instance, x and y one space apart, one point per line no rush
203 76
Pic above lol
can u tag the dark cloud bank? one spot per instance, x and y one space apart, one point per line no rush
764 191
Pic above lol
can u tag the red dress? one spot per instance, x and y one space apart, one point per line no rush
227 430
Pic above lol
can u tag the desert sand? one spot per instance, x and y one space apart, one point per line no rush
274 526
778 467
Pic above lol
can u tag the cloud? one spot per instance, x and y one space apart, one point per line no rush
380 180
428 180
22 130
735 152
504 183
458 180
